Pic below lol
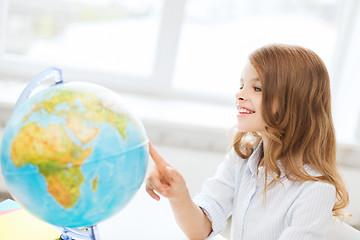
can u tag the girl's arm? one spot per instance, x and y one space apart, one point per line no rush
167 181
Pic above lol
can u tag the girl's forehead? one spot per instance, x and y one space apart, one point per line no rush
249 73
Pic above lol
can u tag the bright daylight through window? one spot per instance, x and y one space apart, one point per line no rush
183 49
218 35
106 35
120 36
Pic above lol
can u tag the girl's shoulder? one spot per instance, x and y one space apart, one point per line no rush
316 192
316 186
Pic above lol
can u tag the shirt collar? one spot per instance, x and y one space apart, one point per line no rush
253 164
254 159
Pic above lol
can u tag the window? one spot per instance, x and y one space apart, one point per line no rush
217 36
346 73
193 49
111 36
189 47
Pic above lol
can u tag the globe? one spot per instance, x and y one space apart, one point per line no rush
73 154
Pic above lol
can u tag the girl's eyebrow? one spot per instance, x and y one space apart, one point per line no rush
252 80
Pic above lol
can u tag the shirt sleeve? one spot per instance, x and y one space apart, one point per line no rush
311 214
216 198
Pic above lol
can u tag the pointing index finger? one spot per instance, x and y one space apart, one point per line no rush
157 158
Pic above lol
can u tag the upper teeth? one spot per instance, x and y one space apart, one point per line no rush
243 110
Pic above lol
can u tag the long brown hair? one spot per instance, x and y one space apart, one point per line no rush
296 81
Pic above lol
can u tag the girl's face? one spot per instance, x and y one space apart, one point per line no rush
248 102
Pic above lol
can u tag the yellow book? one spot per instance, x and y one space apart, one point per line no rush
21 225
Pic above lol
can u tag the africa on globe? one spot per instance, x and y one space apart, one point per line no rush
73 154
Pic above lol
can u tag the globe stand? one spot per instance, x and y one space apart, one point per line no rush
52 73
89 233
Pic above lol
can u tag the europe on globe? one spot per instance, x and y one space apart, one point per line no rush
73 154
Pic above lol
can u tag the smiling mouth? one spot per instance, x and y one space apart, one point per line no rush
244 111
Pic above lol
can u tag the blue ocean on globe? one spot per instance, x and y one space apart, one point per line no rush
74 154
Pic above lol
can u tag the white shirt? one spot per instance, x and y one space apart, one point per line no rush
294 210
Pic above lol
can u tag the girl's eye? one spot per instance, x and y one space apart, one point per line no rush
257 89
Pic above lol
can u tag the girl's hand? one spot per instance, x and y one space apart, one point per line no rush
167 181
164 179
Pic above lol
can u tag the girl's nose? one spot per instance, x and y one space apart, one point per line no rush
240 96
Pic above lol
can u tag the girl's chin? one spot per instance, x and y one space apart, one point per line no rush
242 128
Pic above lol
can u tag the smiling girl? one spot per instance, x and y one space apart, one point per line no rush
280 180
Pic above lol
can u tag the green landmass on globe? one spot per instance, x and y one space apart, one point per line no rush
52 149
